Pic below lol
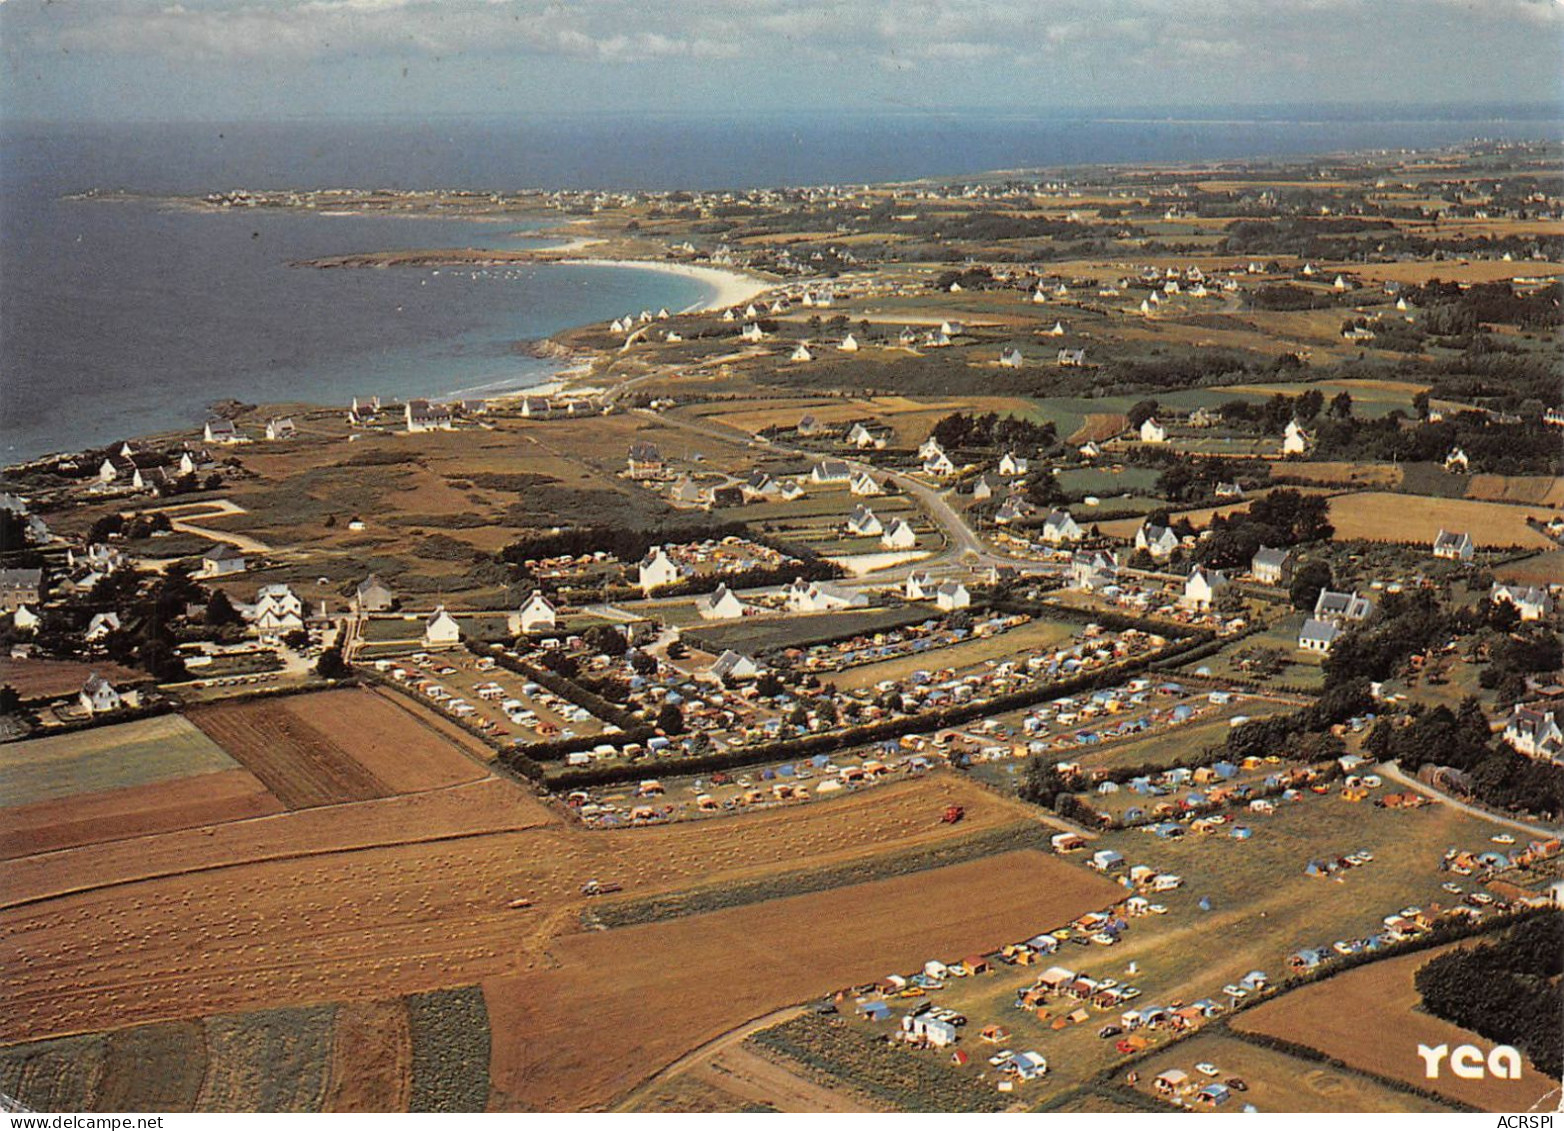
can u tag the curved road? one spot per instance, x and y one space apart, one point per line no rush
1396 774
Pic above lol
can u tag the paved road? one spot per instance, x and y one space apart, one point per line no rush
1396 774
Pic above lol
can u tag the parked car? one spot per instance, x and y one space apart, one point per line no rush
1206 1069
1236 1083
1109 1031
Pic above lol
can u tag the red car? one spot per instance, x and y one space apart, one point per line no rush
1125 1047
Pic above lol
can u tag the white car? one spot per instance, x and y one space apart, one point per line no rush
1503 838
1206 1069
1000 1057
1157 909
1453 889
1235 990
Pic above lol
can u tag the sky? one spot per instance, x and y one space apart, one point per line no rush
117 60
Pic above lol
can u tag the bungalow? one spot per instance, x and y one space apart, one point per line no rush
537 614
830 471
1271 566
849 344
1295 441
801 353
373 596
1202 588
281 428
1071 359
1011 359
985 486
1317 635
807 425
1158 541
222 560
822 596
422 416
1531 602
1454 546
952 595
98 696
733 666
721 604
657 569
220 430
899 536
1151 432
1060 527
645 461
441 629
864 522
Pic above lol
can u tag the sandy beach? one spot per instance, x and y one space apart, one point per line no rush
733 287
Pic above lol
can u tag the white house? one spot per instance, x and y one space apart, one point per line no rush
938 464
752 332
822 597
422 416
441 630
24 619
373 595
537 614
1317 635
277 609
1534 731
1092 570
1011 464
1455 547
1072 359
658 569
830 471
221 560
1531 602
733 665
98 696
222 431
1055 331
920 585
1338 607
930 447
1295 441
1013 509
281 428
1158 541
1202 587
864 522
899 536
801 353
1271 566
1011 359
101 625
1455 460
849 344
720 604
860 435
865 484
1060 527
1152 432
952 595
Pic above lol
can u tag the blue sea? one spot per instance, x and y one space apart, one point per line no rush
119 318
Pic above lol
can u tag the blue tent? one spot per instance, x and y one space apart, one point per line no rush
1205 903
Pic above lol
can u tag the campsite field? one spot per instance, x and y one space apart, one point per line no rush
106 758
1279 1081
777 952
1376 516
1038 635
1369 1017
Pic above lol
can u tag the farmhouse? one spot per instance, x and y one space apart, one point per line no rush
537 615
441 629
1529 601
1338 607
98 696
1013 509
423 416
1454 546
1151 432
1295 441
281 428
952 595
864 522
831 471
807 425
1202 588
822 597
221 431
985 486
1534 731
721 604
20 587
645 461
1317 635
1271 566
1060 527
1158 541
733 665
657 569
373 596
899 536
801 353
1011 359
222 560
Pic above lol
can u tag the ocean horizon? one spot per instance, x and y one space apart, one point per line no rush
124 317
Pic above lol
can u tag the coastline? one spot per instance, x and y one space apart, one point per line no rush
732 287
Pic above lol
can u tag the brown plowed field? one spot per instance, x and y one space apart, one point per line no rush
1368 1018
355 923
34 679
371 1058
136 811
658 990
296 761
1531 490
400 743
1099 426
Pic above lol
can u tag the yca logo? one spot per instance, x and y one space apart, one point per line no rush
1468 1062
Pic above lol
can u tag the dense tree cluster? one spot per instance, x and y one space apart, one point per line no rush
1001 433
1508 990
1283 518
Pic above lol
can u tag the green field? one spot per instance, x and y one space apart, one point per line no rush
111 757
754 636
1302 669
1109 485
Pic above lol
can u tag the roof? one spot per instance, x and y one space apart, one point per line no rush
1270 556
